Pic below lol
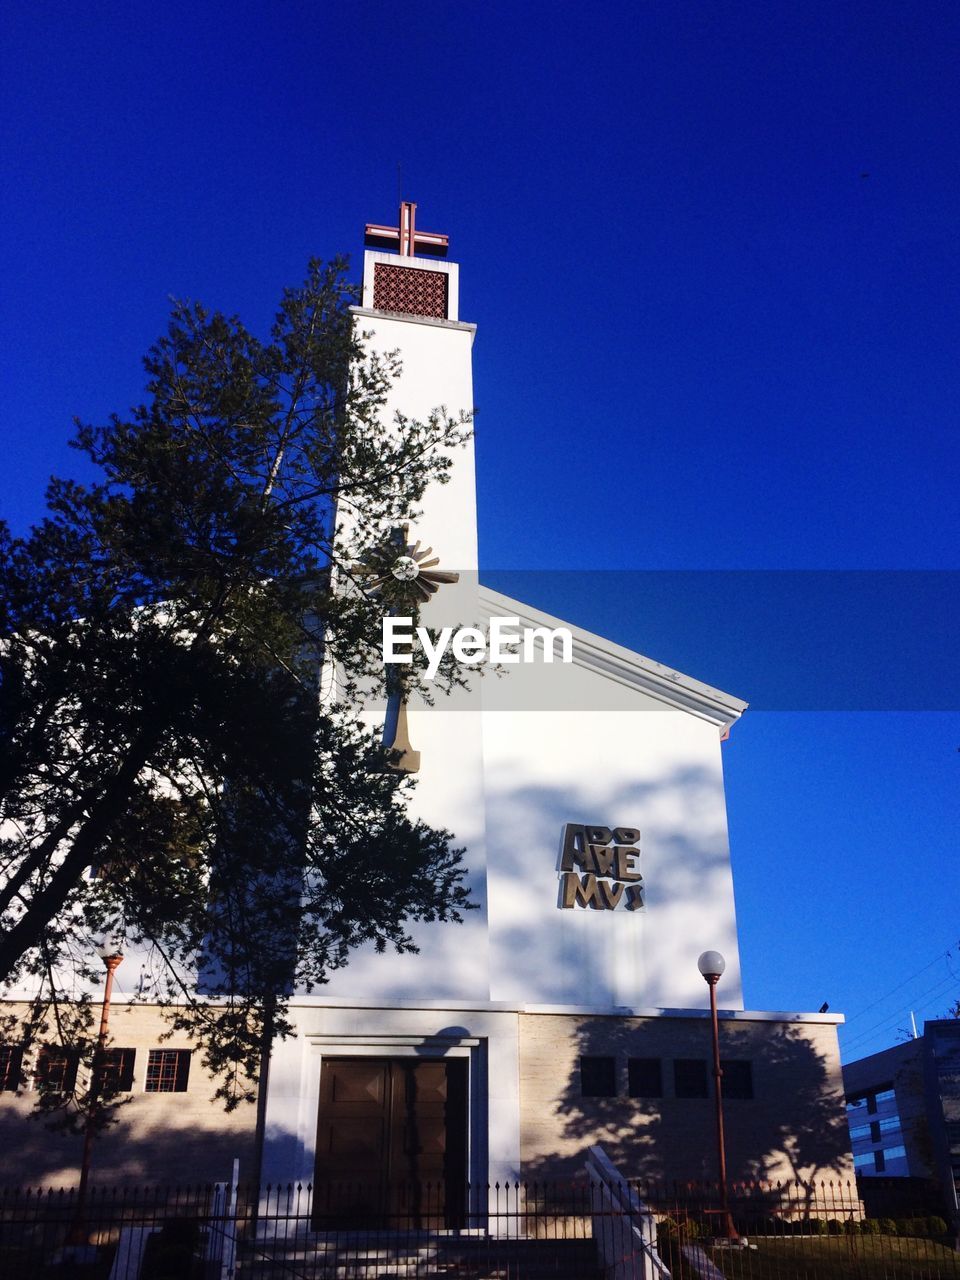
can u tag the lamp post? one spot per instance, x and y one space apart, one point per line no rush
111 954
711 965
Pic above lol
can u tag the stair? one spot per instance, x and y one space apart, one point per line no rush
441 1257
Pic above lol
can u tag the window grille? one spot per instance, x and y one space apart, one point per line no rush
11 1059
57 1069
167 1071
115 1071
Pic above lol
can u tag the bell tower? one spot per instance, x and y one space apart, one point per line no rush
410 305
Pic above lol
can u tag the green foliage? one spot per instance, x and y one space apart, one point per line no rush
681 1229
169 770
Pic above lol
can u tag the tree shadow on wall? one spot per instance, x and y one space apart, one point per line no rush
137 1151
536 952
793 1130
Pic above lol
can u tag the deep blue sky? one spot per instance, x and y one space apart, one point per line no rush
712 253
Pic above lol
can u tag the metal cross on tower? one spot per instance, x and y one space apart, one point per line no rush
405 236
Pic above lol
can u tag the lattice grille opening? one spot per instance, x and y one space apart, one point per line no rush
409 290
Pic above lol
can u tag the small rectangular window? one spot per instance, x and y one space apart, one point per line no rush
645 1077
598 1077
57 1069
879 1163
737 1078
167 1071
11 1060
690 1078
115 1071
874 1131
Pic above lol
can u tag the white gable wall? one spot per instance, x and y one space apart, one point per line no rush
656 770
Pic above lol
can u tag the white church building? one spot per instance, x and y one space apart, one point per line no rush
567 1009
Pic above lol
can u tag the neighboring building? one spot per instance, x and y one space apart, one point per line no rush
568 1008
886 1113
903 1109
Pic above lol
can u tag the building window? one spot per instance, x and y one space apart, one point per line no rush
11 1059
878 1161
115 1071
874 1129
690 1078
645 1077
887 1126
57 1069
167 1071
598 1077
883 1096
737 1078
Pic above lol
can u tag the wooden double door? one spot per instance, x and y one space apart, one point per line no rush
391 1141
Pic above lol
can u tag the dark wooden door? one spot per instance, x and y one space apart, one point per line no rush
391 1140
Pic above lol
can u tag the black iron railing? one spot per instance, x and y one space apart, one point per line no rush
594 1227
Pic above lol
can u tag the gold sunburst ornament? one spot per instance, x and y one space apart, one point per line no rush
402 575
411 565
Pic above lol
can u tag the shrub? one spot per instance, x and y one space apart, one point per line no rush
768 1226
870 1227
936 1225
834 1227
888 1227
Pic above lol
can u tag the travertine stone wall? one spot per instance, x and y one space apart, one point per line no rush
795 1125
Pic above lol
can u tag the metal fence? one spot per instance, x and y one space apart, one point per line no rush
584 1230
799 1231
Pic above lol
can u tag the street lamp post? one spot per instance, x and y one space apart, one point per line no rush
111 954
711 965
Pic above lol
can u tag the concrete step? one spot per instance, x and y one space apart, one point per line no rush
467 1258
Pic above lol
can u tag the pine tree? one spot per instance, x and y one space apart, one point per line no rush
169 768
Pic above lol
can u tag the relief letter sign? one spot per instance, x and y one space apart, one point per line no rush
600 868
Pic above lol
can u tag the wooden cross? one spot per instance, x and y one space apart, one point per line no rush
405 235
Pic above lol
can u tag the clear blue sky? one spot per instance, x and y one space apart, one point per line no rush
712 253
